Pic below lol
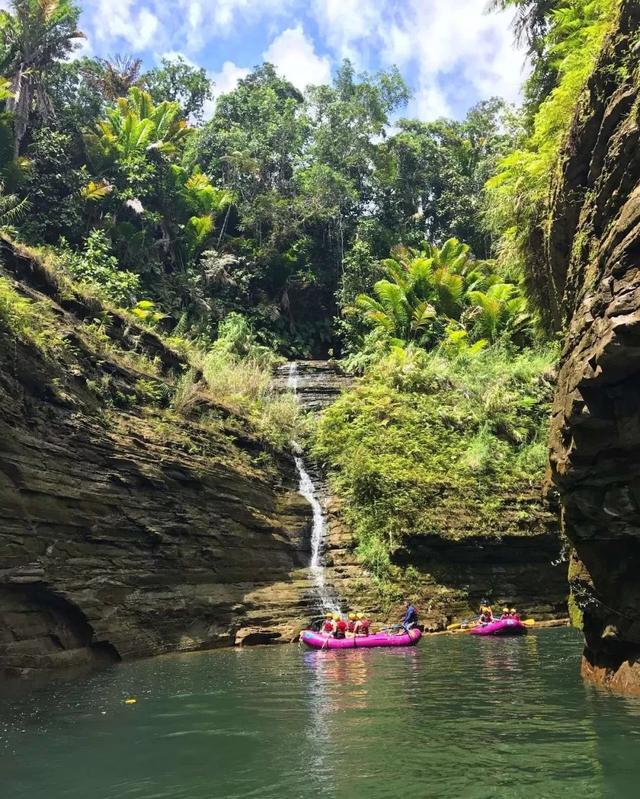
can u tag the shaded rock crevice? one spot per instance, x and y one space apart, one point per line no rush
44 631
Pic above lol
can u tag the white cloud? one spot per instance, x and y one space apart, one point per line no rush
452 51
294 56
351 28
124 20
429 102
186 25
228 78
205 19
445 42
478 54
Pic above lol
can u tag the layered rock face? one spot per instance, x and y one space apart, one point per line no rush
593 258
134 531
450 578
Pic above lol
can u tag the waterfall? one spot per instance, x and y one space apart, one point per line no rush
308 490
292 379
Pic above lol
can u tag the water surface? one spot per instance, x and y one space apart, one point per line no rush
455 717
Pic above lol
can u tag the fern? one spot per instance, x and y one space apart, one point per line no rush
12 209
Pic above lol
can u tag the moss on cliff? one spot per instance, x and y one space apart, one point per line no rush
428 445
591 256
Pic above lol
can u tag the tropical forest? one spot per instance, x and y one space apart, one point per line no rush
335 349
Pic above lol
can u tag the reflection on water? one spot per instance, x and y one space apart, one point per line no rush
455 717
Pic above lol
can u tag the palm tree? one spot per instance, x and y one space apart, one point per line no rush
442 293
33 36
421 288
135 126
501 311
114 77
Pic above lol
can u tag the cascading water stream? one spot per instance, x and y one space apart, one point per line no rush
308 490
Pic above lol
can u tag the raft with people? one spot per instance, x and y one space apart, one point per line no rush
500 627
509 623
354 632
371 641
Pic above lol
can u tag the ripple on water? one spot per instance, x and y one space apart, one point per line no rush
455 717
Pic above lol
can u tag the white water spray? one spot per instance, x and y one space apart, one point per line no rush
292 380
309 492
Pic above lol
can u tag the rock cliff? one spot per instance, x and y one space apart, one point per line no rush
592 252
448 579
127 529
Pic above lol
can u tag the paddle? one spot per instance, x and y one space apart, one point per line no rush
458 624
393 627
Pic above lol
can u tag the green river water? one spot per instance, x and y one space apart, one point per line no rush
454 717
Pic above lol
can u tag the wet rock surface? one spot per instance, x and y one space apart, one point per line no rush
592 251
450 578
318 383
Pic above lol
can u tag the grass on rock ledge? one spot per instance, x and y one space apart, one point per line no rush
432 444
225 389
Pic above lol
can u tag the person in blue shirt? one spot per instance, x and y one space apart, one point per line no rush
410 619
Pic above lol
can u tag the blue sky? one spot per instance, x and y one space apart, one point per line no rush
451 52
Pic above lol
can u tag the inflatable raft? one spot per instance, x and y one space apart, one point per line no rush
500 627
319 641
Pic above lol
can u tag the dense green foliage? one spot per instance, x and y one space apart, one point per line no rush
280 206
284 203
442 294
566 37
435 444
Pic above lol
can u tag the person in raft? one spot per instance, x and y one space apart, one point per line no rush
351 626
486 614
410 619
327 624
362 625
513 613
506 614
340 628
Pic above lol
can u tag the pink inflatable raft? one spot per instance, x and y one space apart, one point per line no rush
500 627
319 641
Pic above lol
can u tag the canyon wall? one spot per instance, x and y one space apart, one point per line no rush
127 529
592 254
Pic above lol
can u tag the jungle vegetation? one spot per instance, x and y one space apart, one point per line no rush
313 223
